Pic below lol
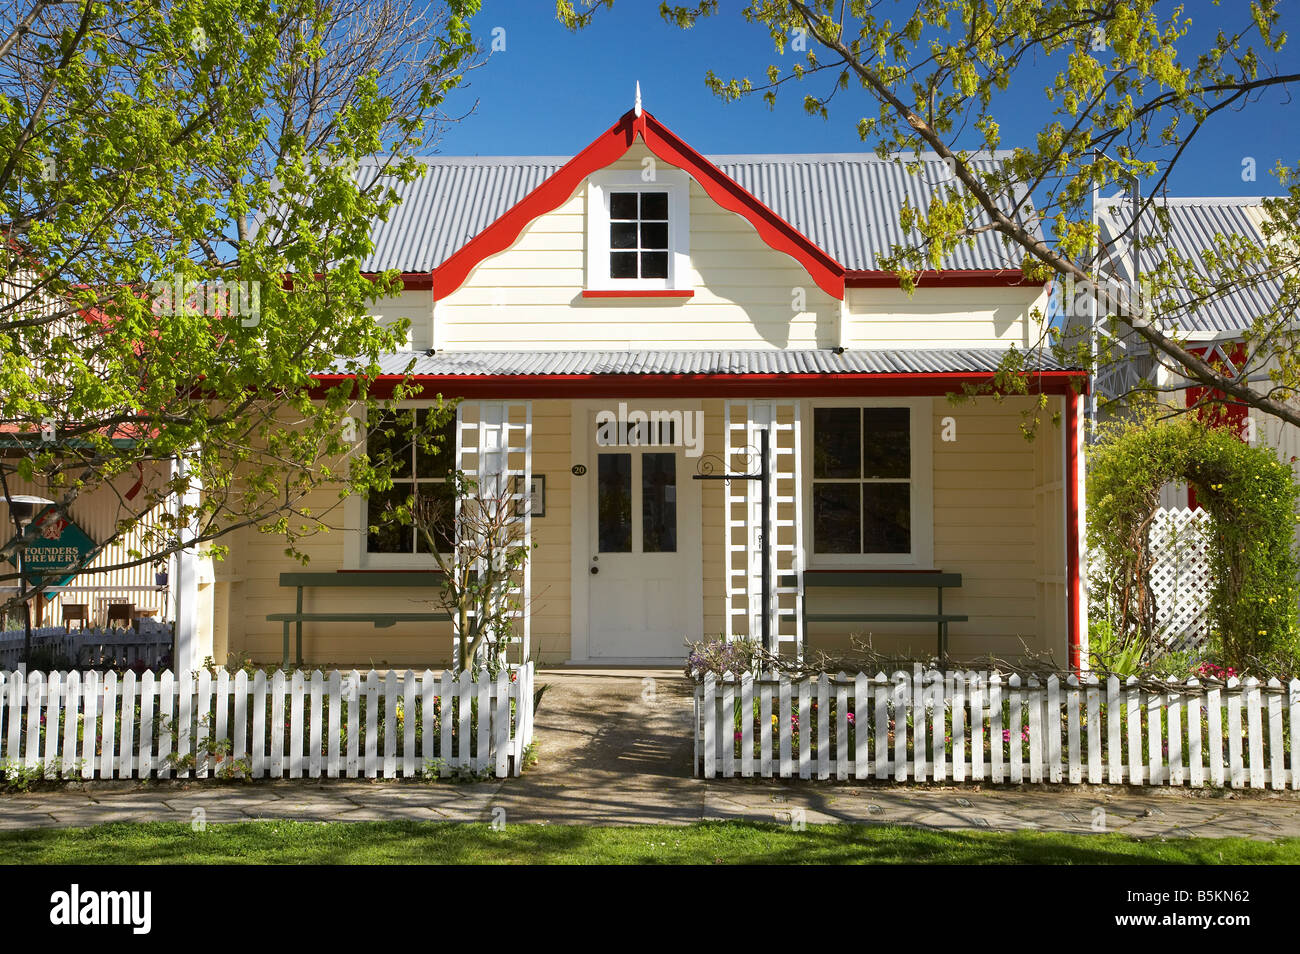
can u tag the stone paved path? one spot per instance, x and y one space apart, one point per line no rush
615 749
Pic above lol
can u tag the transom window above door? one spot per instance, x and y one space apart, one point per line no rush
637 231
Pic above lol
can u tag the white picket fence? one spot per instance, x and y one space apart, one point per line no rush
283 725
982 727
148 643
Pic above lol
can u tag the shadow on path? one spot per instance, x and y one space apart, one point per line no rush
612 748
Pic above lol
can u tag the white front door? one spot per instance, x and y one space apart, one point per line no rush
645 581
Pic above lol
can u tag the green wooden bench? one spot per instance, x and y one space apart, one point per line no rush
935 579
371 579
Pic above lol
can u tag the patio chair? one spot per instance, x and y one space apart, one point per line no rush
75 613
120 612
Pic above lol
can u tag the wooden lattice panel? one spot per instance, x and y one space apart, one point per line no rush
1180 576
743 509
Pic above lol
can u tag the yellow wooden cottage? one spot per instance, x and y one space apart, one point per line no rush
618 323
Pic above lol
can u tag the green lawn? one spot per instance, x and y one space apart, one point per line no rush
282 842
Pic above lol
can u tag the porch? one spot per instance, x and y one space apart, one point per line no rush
633 557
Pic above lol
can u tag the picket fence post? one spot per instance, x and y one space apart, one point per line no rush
747 724
1235 766
1276 771
710 725
1195 753
995 729
1016 745
881 725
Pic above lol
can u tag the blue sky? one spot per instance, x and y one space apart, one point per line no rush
551 92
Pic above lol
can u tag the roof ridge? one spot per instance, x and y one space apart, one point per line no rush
1189 201
865 156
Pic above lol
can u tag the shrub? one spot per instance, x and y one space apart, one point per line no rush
721 656
1250 496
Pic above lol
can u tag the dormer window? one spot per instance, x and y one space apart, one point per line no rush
638 235
637 228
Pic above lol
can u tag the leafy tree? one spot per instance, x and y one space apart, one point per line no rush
1128 88
184 216
481 569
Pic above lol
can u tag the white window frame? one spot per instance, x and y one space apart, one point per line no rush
356 552
599 186
921 556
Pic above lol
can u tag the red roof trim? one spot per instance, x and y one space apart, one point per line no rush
411 281
953 278
609 147
894 384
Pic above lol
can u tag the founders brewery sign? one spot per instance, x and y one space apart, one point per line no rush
56 546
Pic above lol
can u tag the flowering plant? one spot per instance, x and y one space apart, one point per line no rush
721 656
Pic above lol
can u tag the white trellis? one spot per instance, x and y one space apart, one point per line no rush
1180 576
743 558
494 449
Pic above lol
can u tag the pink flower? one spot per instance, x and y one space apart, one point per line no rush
851 720
739 734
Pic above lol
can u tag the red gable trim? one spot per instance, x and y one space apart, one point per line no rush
935 384
609 147
952 278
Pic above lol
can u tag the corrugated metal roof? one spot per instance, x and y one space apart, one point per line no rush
824 361
1193 224
847 204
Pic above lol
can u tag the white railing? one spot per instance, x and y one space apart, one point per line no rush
86 725
149 645
983 727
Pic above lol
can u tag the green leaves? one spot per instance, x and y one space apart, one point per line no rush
1251 497
185 232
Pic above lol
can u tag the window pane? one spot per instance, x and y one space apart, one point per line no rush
835 518
614 503
654 235
654 205
659 503
886 518
622 205
654 264
886 442
622 264
390 536
437 509
435 447
388 441
622 235
837 449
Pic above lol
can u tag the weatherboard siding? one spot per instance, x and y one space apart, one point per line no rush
988 526
943 317
746 294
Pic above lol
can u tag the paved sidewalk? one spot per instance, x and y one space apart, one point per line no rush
615 749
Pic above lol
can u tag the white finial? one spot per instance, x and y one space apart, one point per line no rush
636 108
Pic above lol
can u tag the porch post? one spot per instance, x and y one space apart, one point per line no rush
494 442
1076 597
771 559
185 576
